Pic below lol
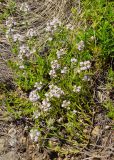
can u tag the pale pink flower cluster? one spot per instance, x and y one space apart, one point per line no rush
45 106
74 111
10 22
31 32
21 67
50 39
54 65
92 38
25 51
54 91
34 134
60 53
33 96
65 103
80 45
52 25
38 85
11 32
36 114
17 37
76 88
86 78
85 65
64 70
73 60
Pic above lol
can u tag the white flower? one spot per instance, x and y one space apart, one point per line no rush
48 28
74 111
50 39
85 65
88 66
86 62
64 70
55 65
54 91
21 67
60 53
45 105
36 114
20 56
81 63
51 86
24 7
38 85
73 60
33 50
57 95
54 22
31 32
33 96
86 78
48 95
52 73
83 68
92 38
78 71
17 37
34 134
23 49
10 22
52 25
65 103
76 89
81 45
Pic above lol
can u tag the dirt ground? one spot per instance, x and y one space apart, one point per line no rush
15 143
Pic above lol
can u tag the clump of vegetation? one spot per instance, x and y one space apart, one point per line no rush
56 82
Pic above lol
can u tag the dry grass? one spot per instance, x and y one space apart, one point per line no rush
41 11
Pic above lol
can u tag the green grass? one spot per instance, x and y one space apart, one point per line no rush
69 126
